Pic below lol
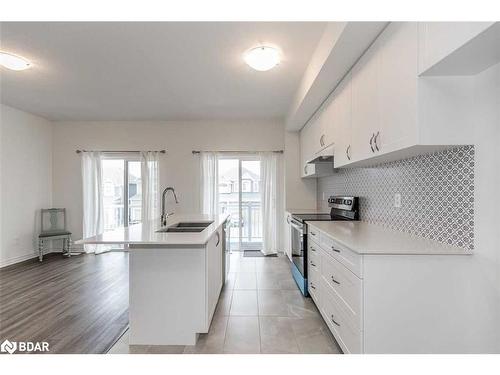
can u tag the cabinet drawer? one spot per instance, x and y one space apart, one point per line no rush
313 281
346 333
346 285
313 257
313 243
348 258
313 234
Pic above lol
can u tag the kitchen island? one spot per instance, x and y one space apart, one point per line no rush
175 277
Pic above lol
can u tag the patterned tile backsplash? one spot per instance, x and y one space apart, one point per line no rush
437 194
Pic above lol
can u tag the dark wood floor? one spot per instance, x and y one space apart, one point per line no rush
77 305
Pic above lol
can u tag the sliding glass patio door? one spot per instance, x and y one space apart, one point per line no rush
122 192
239 194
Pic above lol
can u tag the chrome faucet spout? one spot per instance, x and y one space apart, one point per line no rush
164 215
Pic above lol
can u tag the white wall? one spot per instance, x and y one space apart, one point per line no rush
26 184
178 168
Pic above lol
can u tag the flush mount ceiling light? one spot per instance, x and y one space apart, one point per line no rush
262 58
13 62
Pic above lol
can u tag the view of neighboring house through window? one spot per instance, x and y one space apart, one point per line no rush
243 204
118 211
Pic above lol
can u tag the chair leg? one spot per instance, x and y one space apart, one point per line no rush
68 247
40 250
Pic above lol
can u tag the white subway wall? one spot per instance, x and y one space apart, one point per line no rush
26 181
178 167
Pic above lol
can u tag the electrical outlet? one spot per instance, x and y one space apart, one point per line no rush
397 200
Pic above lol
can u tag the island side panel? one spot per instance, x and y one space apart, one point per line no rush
425 304
167 295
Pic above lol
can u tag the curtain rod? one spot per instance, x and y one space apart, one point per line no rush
121 152
235 151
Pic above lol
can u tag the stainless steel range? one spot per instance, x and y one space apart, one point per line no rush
342 208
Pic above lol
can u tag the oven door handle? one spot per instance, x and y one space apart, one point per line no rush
297 225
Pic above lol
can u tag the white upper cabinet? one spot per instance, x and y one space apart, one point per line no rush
398 86
365 104
341 122
382 110
384 93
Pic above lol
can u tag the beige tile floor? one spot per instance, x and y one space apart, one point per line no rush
260 311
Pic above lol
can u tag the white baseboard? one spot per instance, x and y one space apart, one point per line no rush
22 258
11 261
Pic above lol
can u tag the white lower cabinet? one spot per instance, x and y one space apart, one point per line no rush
389 303
313 268
336 290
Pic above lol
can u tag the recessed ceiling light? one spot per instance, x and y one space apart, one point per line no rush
13 62
262 58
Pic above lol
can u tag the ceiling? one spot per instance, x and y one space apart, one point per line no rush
154 71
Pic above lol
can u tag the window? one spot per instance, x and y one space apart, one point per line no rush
118 210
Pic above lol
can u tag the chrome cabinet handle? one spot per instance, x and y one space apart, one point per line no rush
218 239
322 140
335 281
347 152
312 286
371 142
313 249
312 233
336 250
312 264
376 142
334 322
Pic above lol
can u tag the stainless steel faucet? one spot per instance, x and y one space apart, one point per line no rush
164 216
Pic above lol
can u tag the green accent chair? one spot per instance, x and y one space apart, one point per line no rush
53 227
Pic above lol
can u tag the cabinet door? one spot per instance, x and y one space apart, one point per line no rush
214 273
398 47
342 123
306 139
327 119
365 103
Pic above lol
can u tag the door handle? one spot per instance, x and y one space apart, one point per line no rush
334 322
376 141
335 281
347 152
371 142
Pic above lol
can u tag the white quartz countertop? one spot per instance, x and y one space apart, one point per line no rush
365 238
145 233
306 211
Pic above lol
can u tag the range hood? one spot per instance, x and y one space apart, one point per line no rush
323 156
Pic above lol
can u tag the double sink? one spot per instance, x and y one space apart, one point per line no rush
186 227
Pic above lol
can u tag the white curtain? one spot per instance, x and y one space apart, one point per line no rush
271 190
92 198
150 185
209 194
